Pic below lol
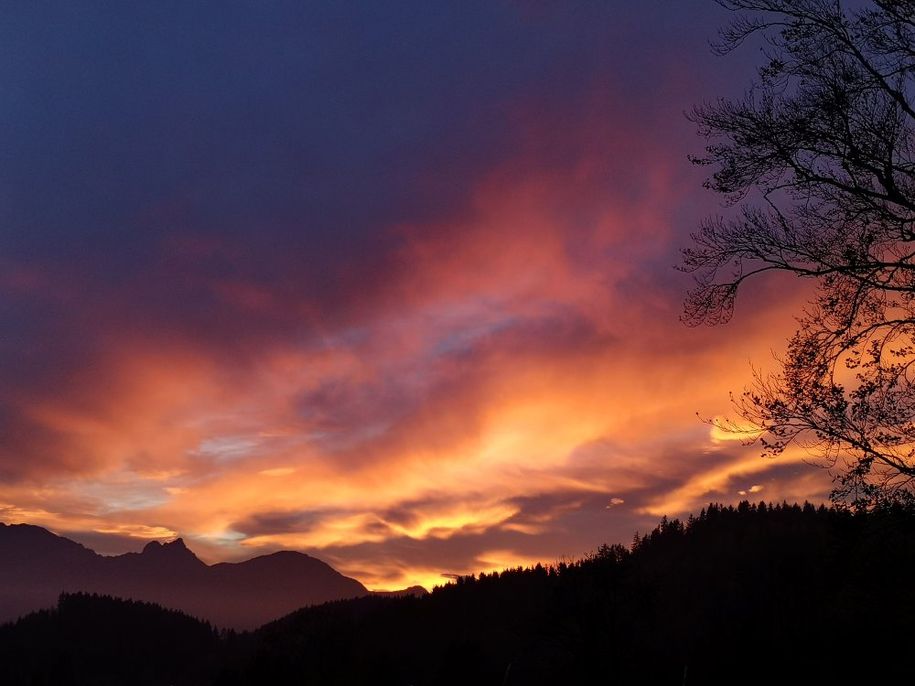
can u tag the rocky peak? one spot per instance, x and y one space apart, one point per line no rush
173 550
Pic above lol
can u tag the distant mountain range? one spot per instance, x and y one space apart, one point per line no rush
754 595
37 565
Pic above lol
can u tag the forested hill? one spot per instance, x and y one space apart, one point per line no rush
753 594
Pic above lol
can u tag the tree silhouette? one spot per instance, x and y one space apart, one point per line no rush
820 157
749 594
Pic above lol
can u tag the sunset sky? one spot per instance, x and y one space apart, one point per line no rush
390 283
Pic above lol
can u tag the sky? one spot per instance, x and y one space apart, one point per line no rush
388 283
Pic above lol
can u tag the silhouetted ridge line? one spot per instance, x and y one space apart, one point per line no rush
36 566
753 594
756 593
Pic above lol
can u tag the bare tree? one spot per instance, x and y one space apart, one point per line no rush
818 159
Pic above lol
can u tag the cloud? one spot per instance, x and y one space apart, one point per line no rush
404 304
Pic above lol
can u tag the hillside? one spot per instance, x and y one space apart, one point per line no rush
104 641
753 594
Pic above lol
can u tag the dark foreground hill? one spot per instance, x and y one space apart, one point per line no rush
754 594
36 566
90 639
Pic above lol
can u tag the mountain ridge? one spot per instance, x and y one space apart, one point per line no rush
757 594
37 565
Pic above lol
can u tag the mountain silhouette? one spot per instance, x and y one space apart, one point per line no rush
37 565
757 594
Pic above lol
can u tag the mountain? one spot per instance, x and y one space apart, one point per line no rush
756 594
37 565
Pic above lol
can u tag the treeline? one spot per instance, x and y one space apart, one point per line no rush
752 594
96 639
